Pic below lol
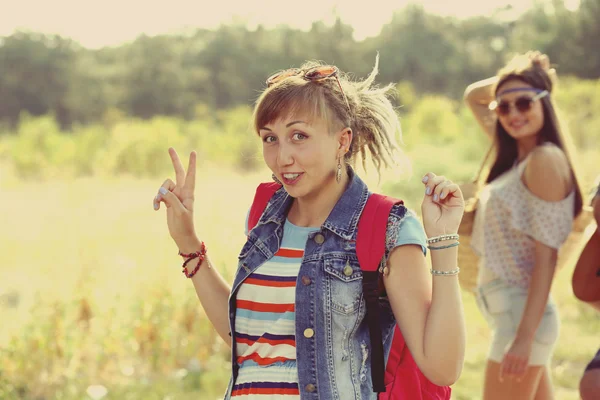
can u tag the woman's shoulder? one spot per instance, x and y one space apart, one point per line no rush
548 152
549 157
404 227
547 173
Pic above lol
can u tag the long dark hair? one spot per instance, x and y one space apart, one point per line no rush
527 70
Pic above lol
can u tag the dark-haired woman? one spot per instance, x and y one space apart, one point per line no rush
525 213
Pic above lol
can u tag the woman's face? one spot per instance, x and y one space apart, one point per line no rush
520 124
302 153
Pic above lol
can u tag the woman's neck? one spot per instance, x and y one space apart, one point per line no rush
312 210
526 146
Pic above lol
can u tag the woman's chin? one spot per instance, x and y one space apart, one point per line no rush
522 134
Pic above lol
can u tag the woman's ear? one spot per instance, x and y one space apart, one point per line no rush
344 139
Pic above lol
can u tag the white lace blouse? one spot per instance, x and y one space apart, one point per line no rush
510 219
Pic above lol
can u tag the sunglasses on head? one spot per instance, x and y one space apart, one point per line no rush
522 104
311 74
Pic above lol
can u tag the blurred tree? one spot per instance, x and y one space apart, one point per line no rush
176 75
156 83
35 74
588 19
421 48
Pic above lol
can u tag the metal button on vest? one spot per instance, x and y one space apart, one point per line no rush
319 239
347 270
308 333
310 388
306 280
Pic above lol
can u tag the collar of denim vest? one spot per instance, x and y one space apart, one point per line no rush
342 220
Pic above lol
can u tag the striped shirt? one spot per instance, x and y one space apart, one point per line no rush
264 324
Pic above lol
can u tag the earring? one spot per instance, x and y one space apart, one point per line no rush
338 174
276 180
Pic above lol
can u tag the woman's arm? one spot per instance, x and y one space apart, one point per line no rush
430 314
585 281
429 308
178 197
213 292
478 96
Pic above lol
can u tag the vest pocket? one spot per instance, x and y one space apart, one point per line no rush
344 285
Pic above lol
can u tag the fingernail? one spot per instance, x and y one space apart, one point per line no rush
155 206
443 196
428 190
425 178
162 190
436 197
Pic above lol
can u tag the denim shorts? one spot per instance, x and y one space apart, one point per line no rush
502 306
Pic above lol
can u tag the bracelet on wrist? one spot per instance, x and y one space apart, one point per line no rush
441 238
448 246
452 272
200 255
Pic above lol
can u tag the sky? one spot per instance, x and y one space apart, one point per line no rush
111 22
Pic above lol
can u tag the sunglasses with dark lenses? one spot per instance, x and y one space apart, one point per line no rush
311 74
522 104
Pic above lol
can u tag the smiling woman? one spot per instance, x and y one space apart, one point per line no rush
525 214
307 316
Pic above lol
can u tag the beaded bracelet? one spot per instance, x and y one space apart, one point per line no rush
441 238
191 274
200 255
443 247
445 273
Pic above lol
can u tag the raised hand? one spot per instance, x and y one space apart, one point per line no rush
442 207
178 197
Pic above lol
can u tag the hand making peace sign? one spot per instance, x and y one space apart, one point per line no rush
178 197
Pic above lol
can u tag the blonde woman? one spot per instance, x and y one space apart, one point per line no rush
295 314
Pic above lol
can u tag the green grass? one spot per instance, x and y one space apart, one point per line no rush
91 292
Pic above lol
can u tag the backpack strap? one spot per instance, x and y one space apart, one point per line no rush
263 194
370 249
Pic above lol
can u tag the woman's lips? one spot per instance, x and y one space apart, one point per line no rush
291 178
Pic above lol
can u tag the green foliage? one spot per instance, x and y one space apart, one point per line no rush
224 68
579 103
437 132
138 147
40 150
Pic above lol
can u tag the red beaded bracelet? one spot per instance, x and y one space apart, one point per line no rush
200 255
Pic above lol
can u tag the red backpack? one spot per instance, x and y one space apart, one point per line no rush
401 378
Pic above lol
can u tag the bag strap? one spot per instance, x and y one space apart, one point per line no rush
370 249
372 229
263 194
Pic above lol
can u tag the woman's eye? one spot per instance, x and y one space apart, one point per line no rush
299 136
269 139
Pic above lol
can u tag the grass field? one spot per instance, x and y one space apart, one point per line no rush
92 303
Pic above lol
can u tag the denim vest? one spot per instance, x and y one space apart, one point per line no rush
332 336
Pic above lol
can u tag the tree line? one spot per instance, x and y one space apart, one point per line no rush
186 75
